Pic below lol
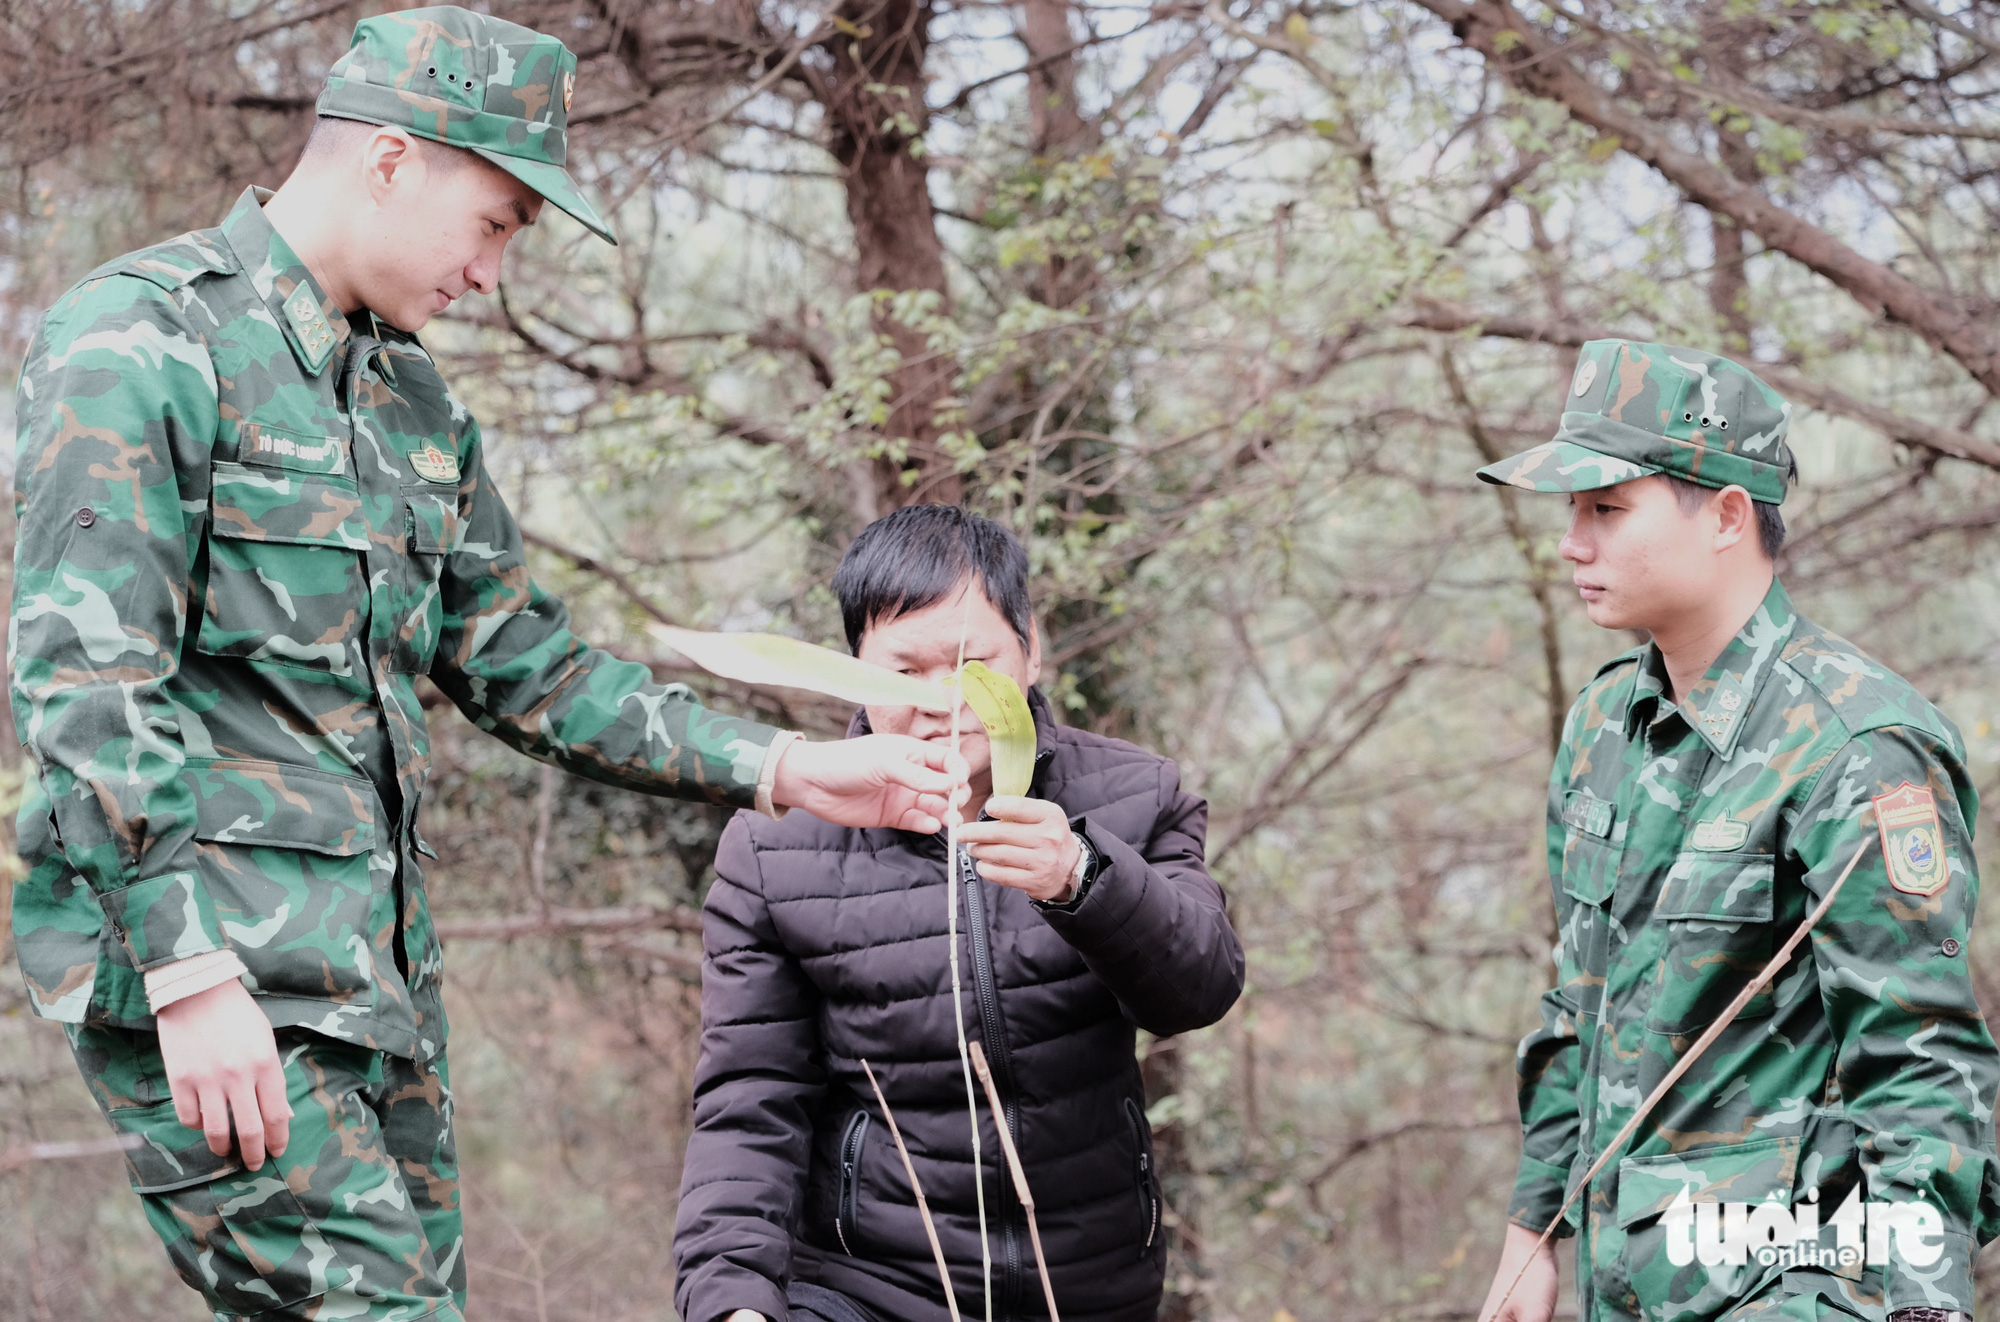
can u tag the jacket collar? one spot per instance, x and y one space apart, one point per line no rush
1716 707
313 324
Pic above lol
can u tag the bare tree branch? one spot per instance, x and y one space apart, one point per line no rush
1520 53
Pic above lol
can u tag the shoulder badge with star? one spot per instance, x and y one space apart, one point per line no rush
1912 839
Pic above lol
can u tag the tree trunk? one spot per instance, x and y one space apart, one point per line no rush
876 111
1059 132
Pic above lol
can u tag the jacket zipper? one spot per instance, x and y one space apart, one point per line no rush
850 1162
1142 1173
993 1030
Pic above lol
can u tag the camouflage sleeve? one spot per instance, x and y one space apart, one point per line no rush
1547 1064
509 661
117 411
1915 1065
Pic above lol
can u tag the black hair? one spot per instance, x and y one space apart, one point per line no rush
914 558
1770 523
333 137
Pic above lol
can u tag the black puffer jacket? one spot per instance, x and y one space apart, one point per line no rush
826 945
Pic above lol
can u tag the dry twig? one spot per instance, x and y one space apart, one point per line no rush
1020 1176
909 1169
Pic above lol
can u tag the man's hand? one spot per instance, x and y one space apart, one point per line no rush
1028 845
1534 1299
222 1060
877 780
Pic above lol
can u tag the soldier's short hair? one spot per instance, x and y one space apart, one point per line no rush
1770 523
917 556
333 137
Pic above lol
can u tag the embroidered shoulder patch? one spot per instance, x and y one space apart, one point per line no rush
1912 839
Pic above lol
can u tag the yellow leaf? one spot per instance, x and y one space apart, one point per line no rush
1299 30
1010 727
772 660
1283 1315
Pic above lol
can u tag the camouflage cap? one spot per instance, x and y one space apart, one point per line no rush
471 81
1637 409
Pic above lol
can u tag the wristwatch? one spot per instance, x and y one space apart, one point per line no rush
1928 1314
1079 879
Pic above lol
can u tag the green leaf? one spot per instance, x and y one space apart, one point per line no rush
771 660
1010 727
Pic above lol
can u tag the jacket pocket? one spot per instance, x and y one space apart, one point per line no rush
1142 1176
1589 865
431 529
1589 877
246 1243
287 584
845 1226
1755 1173
1716 911
287 856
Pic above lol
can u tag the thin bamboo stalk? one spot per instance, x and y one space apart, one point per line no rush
1019 1173
951 825
1682 1065
910 1169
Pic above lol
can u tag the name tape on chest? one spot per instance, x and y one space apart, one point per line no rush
1912 839
318 454
1585 812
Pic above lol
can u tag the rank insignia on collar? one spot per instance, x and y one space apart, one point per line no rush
1912 839
433 464
309 325
1719 834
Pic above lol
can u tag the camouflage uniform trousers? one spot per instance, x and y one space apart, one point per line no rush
358 1219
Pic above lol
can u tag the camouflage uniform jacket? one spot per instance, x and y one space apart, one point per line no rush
246 525
1686 842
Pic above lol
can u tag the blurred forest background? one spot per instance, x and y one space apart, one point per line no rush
1218 305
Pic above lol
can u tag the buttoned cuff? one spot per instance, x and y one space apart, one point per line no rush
1538 1195
1946 1283
190 977
767 776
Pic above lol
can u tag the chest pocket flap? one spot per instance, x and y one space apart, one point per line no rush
1717 888
1590 859
261 504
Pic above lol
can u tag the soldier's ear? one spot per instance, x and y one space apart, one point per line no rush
1735 516
387 159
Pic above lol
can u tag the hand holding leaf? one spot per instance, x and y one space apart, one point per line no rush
1027 844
